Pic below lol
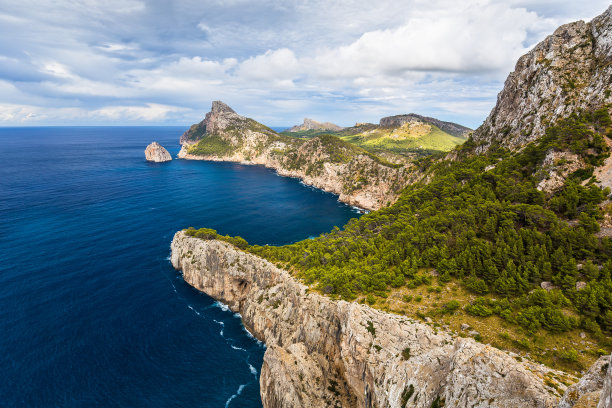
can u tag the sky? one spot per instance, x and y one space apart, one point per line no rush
135 62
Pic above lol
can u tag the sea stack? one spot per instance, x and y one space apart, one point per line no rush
157 153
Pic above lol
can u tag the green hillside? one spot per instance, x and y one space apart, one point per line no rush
420 138
474 243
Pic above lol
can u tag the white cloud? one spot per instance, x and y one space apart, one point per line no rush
276 60
150 112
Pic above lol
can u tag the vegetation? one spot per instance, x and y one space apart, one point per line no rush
489 235
405 139
423 139
209 234
211 145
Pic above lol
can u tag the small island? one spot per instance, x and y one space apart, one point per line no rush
157 153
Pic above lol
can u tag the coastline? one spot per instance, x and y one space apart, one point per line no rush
365 201
359 349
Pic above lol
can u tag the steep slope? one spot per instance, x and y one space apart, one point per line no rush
359 177
570 70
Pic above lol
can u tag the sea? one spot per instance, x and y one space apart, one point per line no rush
92 313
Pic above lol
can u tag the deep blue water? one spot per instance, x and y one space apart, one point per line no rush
91 311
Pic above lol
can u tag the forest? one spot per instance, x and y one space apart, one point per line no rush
479 220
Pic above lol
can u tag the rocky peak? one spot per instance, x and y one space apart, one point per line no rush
220 107
311 124
570 70
448 127
219 118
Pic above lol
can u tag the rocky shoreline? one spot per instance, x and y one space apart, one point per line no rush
323 352
370 198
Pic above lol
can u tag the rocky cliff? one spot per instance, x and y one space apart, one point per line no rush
568 71
310 124
357 176
157 153
605 400
323 352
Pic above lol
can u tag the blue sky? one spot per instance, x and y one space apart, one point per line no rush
133 62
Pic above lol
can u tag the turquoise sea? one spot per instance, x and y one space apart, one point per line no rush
92 314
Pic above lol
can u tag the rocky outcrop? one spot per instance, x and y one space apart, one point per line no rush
605 400
570 70
310 124
323 352
325 162
157 153
448 127
587 392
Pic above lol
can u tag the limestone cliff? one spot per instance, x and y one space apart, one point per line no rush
323 352
605 400
157 153
568 71
587 392
357 176
310 124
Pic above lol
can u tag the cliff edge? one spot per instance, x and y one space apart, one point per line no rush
323 352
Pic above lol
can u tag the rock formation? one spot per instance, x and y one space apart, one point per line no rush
448 127
310 124
325 162
157 153
587 392
570 70
322 352
605 400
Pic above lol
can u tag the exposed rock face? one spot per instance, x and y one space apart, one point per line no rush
555 168
448 127
310 124
157 153
323 352
570 70
605 400
586 392
219 117
327 163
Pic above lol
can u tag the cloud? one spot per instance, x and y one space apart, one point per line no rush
131 61
150 112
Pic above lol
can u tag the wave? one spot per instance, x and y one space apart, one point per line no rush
196 312
222 326
253 370
222 306
253 337
235 395
237 348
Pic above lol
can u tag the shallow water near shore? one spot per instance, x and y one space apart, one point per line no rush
91 311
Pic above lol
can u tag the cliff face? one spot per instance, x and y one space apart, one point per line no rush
325 162
588 391
335 353
157 153
570 70
605 400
